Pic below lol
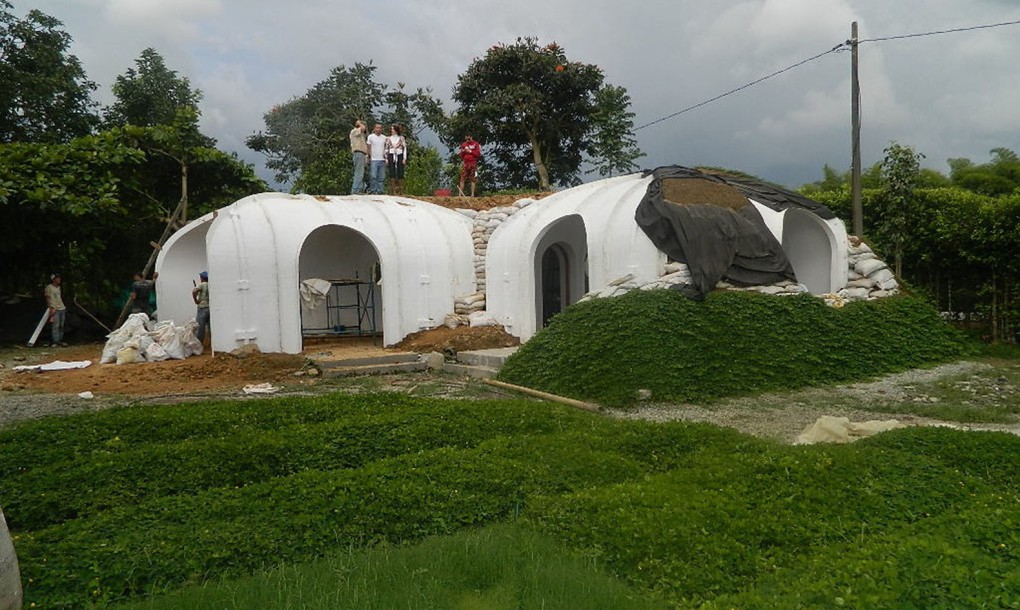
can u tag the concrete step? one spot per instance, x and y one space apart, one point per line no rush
479 372
487 358
373 369
331 363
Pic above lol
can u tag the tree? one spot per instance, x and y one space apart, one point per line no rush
999 177
44 93
306 139
614 148
91 207
150 95
901 171
532 107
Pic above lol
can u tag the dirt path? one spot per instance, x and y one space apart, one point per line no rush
780 416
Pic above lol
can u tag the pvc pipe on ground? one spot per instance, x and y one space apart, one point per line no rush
584 406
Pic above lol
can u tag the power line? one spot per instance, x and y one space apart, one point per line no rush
838 47
936 32
841 46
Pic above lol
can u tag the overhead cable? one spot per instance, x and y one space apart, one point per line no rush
936 32
841 46
742 87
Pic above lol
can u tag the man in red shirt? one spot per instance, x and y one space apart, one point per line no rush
470 152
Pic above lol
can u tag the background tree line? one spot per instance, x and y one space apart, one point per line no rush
84 189
542 119
954 238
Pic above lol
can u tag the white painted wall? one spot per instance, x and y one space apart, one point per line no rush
259 249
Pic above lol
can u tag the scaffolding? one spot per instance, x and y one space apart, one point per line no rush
350 310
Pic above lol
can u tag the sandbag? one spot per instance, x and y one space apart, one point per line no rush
128 354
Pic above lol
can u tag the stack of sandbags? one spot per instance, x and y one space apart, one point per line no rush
867 276
484 223
468 304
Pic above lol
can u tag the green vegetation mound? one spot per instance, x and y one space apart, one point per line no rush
732 343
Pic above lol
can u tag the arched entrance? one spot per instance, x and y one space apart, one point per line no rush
555 271
561 274
808 243
347 260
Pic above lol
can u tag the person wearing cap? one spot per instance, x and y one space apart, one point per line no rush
55 302
200 294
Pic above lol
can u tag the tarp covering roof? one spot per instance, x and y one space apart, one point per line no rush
765 193
716 233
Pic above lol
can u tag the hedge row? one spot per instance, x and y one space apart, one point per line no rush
697 513
885 524
243 453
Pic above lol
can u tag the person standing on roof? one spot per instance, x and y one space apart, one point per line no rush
359 153
470 152
200 294
55 302
377 155
396 159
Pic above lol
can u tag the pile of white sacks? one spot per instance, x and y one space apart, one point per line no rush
485 222
142 340
868 278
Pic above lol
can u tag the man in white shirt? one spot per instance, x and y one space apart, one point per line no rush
377 160
55 302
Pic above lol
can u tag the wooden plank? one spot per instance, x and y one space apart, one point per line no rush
39 327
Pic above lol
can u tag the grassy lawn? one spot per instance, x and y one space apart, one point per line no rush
432 503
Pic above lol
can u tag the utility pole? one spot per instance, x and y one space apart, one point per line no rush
855 110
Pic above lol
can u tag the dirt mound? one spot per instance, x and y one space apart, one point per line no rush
196 374
481 203
458 339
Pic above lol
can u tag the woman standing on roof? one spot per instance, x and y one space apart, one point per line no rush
396 159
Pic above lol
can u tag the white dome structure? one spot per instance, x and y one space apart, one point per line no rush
259 250
397 265
547 256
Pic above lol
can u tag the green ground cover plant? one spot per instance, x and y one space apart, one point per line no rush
492 568
687 513
732 343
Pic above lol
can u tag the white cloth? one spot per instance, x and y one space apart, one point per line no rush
313 291
56 365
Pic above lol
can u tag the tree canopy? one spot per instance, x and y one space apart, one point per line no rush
150 94
306 139
44 93
614 147
534 110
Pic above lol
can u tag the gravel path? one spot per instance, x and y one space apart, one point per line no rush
783 416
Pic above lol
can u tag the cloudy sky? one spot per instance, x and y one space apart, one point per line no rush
952 95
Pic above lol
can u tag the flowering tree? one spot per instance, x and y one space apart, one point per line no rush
532 108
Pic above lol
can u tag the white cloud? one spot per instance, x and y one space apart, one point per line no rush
951 95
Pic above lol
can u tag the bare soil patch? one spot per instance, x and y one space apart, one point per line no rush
481 203
461 338
196 374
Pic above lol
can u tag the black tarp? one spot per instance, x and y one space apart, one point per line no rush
715 242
